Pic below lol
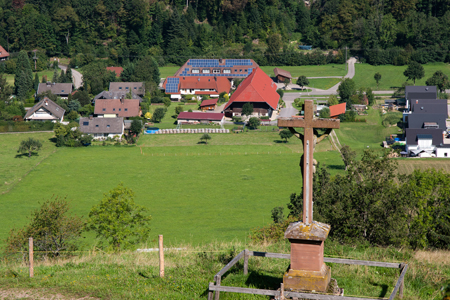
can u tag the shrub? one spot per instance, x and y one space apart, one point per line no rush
254 122
51 228
392 118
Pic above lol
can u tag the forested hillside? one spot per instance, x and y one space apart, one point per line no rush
390 31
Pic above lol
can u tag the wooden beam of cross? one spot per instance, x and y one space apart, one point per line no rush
308 122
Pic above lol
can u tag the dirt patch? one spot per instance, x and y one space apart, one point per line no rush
36 294
439 257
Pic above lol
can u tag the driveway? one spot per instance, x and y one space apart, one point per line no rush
76 76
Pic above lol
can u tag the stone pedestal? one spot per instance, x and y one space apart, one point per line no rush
307 271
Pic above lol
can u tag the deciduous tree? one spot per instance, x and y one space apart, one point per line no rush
377 78
414 71
205 137
302 81
118 221
247 109
29 146
440 80
285 134
254 122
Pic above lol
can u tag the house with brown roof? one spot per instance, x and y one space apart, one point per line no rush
102 128
4 55
128 87
282 75
45 110
60 89
116 95
186 117
209 104
257 89
228 68
117 70
113 108
199 85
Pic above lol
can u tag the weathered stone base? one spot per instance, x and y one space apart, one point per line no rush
300 280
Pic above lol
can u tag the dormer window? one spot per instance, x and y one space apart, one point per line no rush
126 109
120 87
206 71
104 109
107 126
96 125
62 91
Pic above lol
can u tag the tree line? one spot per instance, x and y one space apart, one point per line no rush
371 203
392 31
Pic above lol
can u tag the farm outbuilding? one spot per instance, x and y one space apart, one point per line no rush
200 117
282 75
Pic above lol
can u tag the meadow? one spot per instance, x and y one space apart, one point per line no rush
392 76
188 272
48 73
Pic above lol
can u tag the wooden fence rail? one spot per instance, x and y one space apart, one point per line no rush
215 289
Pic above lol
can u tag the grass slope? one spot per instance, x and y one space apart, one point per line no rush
133 275
49 73
308 71
392 76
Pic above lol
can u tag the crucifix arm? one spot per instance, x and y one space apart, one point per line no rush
297 134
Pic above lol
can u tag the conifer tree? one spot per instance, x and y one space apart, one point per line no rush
23 79
69 75
36 82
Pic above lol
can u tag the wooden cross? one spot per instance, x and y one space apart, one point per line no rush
308 122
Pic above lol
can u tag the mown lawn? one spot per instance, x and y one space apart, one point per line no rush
167 71
392 76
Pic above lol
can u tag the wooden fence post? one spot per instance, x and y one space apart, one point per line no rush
30 255
161 256
245 262
402 284
218 280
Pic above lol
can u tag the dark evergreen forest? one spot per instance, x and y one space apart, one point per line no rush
380 32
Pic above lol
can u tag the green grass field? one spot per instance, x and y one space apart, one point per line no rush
49 73
392 76
323 83
309 71
196 193
168 71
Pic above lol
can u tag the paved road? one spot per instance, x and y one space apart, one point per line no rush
76 76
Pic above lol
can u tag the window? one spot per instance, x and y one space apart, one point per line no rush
195 71
104 109
114 109
96 125
206 71
85 123
107 126
134 87
235 70
120 109
227 71
445 154
240 70
216 71
62 91
126 109
245 70
120 87
127 88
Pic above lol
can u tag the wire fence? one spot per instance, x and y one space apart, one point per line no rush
221 153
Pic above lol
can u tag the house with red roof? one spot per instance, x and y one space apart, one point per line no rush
336 110
3 54
117 70
200 85
117 108
186 117
257 89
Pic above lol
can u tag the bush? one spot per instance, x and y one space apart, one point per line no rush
51 228
392 118
254 122
167 102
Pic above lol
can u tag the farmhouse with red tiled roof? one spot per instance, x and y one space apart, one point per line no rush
336 110
212 86
257 89
3 54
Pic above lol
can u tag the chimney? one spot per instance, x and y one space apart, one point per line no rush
121 100
220 60
91 117
46 102
417 101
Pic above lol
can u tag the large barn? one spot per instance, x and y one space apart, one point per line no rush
257 89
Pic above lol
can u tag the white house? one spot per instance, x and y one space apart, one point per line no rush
45 110
102 128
